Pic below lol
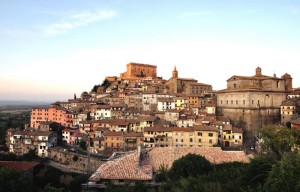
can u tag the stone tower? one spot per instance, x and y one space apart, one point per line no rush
175 73
258 71
288 81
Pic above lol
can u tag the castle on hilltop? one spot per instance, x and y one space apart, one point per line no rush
139 70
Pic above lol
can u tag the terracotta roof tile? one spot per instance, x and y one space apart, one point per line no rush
17 165
125 168
128 167
167 155
205 128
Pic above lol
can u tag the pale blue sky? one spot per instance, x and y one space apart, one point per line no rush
51 49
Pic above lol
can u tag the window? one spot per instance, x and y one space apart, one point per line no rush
231 101
199 133
240 137
181 140
210 141
199 140
191 139
237 102
252 102
210 134
176 140
244 102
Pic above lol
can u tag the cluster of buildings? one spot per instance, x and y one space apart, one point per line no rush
140 108
157 121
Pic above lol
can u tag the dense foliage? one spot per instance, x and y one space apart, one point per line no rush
11 180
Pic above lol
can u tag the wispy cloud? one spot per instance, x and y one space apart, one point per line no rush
77 20
195 13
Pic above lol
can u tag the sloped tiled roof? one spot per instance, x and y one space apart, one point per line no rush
288 103
158 128
205 128
129 168
17 165
215 155
125 168
237 130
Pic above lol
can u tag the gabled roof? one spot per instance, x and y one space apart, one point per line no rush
227 128
167 155
237 130
125 168
288 103
183 129
129 167
158 129
205 128
17 165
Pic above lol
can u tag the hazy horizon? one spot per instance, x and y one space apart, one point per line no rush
50 50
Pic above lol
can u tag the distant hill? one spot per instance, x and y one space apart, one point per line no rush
22 103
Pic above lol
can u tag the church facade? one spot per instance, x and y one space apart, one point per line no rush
253 101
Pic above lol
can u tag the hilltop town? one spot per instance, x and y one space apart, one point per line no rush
148 121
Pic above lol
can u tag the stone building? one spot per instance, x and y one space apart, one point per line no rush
187 86
139 70
253 101
288 110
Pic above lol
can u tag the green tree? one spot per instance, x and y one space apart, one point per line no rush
162 173
285 175
257 172
50 188
190 165
105 83
11 180
95 88
83 145
29 156
277 140
50 175
75 158
75 184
